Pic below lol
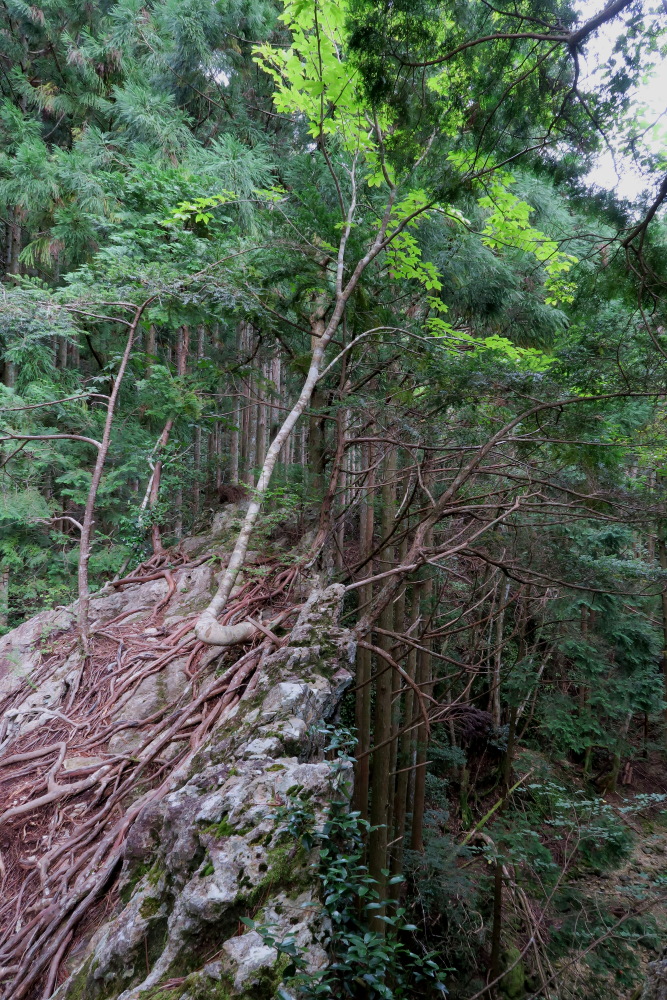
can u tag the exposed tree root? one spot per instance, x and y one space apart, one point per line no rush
62 838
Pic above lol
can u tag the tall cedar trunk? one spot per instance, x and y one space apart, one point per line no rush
4 598
326 509
196 505
498 656
381 783
218 457
316 439
183 349
245 435
662 556
234 442
12 263
344 418
210 458
253 411
8 240
423 680
151 346
156 537
182 367
404 754
396 701
495 968
316 444
363 696
275 396
261 418
11 267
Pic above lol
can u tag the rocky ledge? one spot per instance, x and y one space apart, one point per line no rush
213 847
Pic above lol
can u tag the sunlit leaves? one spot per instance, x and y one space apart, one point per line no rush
508 227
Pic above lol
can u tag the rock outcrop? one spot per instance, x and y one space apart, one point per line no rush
655 987
213 848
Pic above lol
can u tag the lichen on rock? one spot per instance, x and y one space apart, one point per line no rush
213 849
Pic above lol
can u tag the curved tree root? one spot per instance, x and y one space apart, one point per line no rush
62 843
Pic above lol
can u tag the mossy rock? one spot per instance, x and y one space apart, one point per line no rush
513 983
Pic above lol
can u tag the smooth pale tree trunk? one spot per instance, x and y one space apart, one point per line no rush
207 628
89 512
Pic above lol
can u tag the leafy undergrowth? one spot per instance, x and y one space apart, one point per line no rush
584 900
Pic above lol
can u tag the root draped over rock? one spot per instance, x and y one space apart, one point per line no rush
70 806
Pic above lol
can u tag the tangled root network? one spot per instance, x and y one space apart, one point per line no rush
68 801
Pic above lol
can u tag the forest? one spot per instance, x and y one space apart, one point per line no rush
320 301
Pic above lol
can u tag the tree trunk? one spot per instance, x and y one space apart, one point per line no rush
207 627
364 660
662 556
423 678
196 508
89 513
4 598
381 782
182 351
156 538
495 968
151 347
498 657
316 439
62 353
234 443
405 750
